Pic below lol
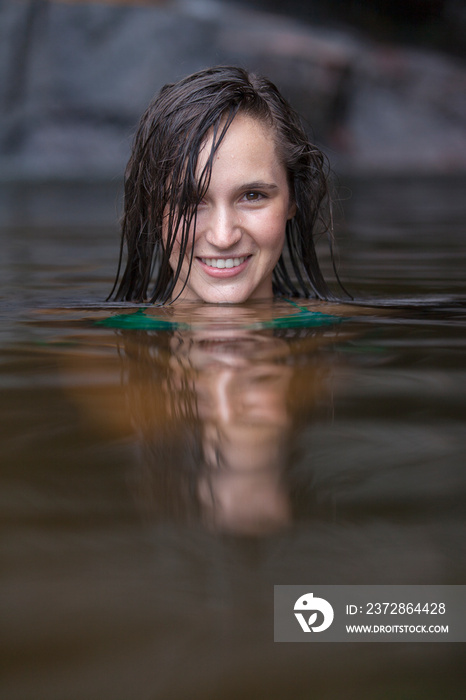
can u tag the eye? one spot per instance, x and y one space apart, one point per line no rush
253 196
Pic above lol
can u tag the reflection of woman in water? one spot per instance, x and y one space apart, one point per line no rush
224 195
218 414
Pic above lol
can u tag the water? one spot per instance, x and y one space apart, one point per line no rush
157 484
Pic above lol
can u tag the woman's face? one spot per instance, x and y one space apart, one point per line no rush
241 221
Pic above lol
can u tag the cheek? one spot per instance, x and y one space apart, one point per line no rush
177 240
274 235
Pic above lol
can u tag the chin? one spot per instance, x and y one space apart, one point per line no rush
236 297
226 294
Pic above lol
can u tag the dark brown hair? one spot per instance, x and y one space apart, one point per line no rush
161 177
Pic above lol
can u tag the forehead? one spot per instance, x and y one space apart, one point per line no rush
249 144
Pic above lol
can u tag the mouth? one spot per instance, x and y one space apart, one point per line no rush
222 268
224 263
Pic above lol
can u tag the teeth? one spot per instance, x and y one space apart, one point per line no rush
221 262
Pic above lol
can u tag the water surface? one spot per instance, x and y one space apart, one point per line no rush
158 481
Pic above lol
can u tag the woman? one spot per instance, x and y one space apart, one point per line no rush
224 195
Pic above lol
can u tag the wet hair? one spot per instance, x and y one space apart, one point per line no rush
161 179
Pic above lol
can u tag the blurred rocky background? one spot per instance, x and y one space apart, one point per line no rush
381 84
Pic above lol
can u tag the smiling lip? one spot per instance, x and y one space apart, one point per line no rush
224 267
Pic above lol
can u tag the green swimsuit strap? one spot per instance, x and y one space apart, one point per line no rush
305 318
139 321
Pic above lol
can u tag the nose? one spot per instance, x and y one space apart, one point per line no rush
223 227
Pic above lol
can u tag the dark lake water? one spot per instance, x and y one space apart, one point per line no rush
156 484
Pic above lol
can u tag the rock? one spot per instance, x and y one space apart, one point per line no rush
75 78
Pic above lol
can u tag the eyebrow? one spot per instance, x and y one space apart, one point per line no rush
259 185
